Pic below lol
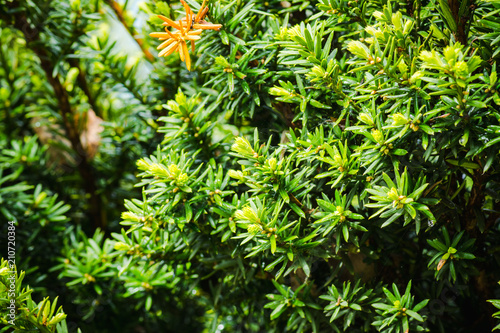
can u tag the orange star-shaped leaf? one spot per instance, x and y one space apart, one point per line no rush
176 41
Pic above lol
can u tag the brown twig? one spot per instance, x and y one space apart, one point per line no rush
462 22
119 14
32 37
295 200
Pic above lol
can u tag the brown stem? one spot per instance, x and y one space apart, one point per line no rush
295 200
119 13
32 37
301 206
82 83
461 21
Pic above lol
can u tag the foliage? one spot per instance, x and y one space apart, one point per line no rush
319 158
42 317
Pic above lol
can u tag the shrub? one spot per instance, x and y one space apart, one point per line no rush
324 166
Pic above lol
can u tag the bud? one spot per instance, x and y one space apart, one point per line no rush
120 246
407 27
393 194
366 118
182 179
146 286
338 159
254 229
461 69
283 34
89 277
272 163
142 164
399 120
174 170
236 175
158 170
246 214
242 146
129 216
378 136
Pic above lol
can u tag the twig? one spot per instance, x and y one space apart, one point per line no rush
32 37
119 13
